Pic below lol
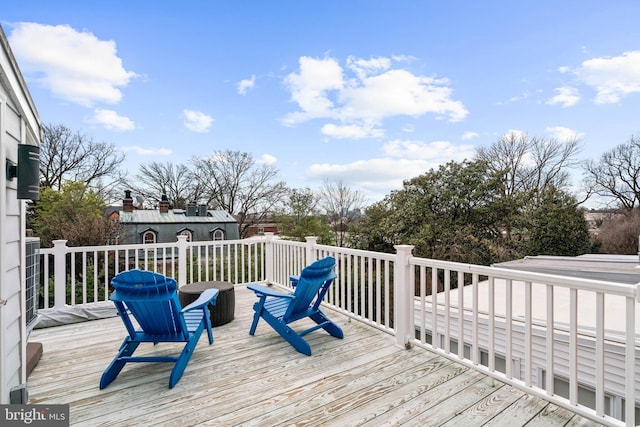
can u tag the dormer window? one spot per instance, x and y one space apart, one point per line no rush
149 237
187 233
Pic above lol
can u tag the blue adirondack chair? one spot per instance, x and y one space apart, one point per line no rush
152 300
280 309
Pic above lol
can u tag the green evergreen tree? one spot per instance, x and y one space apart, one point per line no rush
558 226
453 213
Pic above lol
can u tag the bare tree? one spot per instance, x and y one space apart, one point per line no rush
175 181
616 176
507 156
530 167
531 164
343 206
234 182
619 234
67 156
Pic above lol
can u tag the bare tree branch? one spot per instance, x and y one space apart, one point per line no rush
66 156
234 182
343 206
616 176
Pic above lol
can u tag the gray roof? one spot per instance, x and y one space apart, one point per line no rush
610 268
173 216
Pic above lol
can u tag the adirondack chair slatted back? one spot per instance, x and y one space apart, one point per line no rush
313 282
152 300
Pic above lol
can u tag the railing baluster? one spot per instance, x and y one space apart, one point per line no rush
599 350
461 321
84 275
573 346
492 326
550 332
528 326
509 327
73 281
423 303
447 311
630 360
475 350
95 277
106 274
434 310
387 291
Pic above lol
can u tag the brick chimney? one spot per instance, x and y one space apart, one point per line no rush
127 202
164 204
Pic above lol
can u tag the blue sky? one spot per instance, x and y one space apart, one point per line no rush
369 92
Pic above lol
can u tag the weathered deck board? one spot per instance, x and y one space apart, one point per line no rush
364 379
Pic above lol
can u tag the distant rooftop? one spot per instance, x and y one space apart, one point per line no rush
610 268
174 216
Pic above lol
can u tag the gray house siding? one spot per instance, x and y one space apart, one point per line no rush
166 226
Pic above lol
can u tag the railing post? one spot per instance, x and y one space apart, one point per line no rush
312 241
59 273
182 260
268 258
403 296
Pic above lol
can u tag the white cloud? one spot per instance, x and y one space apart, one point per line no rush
399 92
516 133
402 160
612 77
469 135
148 151
409 128
351 131
197 121
111 120
75 66
442 150
562 133
244 85
366 67
516 98
267 159
375 91
309 88
566 96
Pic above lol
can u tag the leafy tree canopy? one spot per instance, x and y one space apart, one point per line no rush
301 219
452 213
74 213
558 226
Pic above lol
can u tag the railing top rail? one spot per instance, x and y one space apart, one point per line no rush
358 252
224 242
147 246
615 288
289 242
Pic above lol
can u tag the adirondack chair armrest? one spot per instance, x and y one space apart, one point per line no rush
208 296
265 291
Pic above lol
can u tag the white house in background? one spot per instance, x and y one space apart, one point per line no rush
20 135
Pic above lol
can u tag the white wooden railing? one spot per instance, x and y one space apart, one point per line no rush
570 341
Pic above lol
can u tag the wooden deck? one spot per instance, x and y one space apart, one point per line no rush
262 381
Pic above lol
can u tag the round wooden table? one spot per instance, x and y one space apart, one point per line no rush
224 310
